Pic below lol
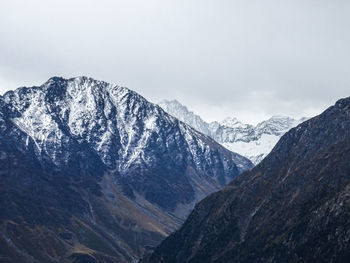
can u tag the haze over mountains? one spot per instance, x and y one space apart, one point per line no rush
253 142
292 207
93 172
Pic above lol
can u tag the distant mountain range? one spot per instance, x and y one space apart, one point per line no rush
253 142
292 207
93 172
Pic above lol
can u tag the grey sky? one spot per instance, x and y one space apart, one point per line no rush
249 59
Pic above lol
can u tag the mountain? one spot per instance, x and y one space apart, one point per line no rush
93 172
292 207
176 109
253 142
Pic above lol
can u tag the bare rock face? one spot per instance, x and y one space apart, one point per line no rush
93 172
293 207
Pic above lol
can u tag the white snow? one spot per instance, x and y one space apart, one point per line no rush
253 142
118 123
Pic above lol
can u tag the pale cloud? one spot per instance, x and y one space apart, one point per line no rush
250 59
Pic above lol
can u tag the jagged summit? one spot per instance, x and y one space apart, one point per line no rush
176 109
96 112
277 125
99 171
292 207
233 122
253 142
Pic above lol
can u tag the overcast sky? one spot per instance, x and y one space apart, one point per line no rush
249 59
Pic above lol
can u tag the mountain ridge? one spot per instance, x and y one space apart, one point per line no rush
253 142
92 171
292 207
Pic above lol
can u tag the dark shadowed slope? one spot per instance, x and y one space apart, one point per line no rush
93 172
293 207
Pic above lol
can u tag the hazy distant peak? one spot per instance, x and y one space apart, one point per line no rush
233 122
253 142
178 110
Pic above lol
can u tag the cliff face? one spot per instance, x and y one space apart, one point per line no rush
293 207
93 172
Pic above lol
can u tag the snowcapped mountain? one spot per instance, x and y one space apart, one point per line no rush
253 142
181 112
91 170
292 207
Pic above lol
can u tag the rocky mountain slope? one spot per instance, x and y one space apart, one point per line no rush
93 172
253 142
292 207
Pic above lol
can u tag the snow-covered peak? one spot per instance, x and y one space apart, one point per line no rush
253 142
130 135
89 109
276 125
176 109
233 123
105 150
174 104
